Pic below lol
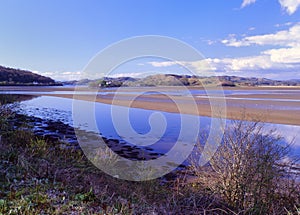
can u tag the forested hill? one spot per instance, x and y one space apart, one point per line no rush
10 76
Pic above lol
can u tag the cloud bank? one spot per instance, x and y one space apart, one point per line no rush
289 6
288 38
284 57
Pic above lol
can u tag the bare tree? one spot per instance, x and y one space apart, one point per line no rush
250 170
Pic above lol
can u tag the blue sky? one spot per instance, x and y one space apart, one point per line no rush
58 38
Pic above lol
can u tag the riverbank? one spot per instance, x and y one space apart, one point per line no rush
56 131
41 173
40 176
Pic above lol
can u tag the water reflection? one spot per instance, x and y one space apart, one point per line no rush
61 109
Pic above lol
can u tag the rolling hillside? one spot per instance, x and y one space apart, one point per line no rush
177 80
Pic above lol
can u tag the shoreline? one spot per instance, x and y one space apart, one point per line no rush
268 110
66 135
233 112
86 88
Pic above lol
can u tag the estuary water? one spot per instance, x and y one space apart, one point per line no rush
60 109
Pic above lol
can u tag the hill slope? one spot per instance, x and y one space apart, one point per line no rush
186 80
10 76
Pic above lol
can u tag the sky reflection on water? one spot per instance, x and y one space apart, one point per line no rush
61 109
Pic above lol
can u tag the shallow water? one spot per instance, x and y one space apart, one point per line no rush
152 91
60 109
281 103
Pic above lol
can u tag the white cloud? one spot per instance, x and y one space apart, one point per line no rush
288 38
274 59
269 64
226 64
61 76
163 63
287 57
271 61
247 2
290 6
200 67
209 42
132 75
284 24
248 63
284 55
251 63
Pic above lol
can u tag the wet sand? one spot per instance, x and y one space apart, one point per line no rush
282 112
234 110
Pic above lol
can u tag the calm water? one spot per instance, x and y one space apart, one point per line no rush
282 103
179 92
61 109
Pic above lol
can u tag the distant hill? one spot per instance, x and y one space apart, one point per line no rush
186 80
78 82
252 81
104 82
13 77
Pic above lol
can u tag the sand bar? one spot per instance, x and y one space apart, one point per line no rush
282 112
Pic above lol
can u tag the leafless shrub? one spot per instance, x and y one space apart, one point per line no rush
250 170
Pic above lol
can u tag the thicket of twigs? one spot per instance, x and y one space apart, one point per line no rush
252 170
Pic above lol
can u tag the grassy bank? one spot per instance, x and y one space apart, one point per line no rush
39 177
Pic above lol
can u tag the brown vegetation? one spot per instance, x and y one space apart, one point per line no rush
251 171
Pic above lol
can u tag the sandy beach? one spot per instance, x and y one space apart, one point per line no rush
235 110
282 108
